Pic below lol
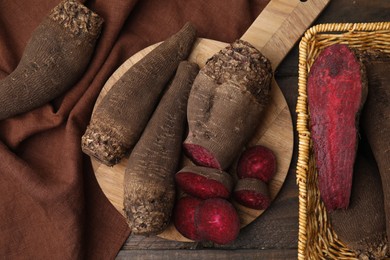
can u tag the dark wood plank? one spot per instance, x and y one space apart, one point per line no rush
154 242
340 11
355 11
207 254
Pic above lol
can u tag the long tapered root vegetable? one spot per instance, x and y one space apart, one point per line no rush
376 119
362 225
204 182
118 121
149 186
55 57
337 90
226 103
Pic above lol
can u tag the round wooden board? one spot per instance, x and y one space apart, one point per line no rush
275 132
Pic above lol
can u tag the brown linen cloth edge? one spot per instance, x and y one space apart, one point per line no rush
51 206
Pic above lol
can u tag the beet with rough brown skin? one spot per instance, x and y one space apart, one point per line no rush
204 182
252 193
257 162
149 184
337 90
226 103
213 219
120 118
54 59
376 119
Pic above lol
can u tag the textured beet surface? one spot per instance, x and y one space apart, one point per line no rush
252 199
217 221
201 156
336 93
252 193
257 162
201 186
184 217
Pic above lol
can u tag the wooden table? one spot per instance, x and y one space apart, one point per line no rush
274 235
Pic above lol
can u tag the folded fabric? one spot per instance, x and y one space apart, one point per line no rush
51 206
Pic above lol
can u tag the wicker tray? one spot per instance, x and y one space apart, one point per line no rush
316 238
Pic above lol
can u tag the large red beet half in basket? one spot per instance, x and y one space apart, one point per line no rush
337 90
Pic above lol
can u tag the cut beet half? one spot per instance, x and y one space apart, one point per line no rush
252 193
337 90
257 162
184 217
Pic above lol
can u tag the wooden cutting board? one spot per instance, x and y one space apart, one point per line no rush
274 33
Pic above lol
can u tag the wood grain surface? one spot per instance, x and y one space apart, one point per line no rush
275 131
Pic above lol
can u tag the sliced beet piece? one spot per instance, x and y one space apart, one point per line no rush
257 162
252 193
204 182
217 221
184 217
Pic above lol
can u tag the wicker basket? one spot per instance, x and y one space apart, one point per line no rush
316 238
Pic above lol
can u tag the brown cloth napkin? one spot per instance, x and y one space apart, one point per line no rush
51 206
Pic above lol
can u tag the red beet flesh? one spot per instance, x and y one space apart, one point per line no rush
252 199
184 217
252 193
257 162
213 219
217 221
201 156
204 182
200 186
336 92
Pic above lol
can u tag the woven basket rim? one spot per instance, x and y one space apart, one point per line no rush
327 30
